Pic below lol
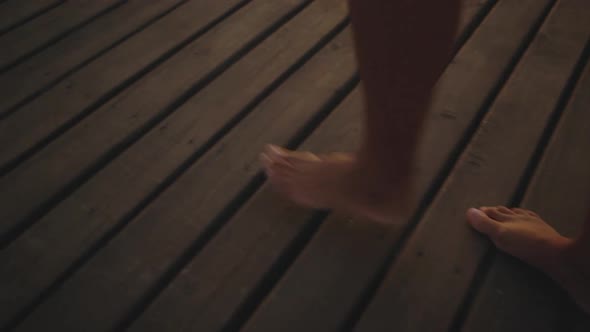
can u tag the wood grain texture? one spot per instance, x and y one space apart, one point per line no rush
220 280
147 164
123 117
115 280
559 192
37 73
138 203
16 12
223 280
434 269
77 94
35 34
346 254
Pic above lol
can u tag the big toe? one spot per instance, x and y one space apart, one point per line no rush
276 170
482 222
498 213
293 158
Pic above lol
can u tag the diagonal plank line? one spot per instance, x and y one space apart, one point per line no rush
39 212
57 38
473 24
243 196
31 17
11 165
186 164
457 276
441 177
82 64
486 263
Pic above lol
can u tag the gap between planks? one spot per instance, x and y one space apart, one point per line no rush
27 81
289 70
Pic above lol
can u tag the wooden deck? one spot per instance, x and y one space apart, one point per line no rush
132 199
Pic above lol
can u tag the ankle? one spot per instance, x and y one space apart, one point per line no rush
393 164
384 176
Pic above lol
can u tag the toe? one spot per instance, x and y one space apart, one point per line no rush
532 213
482 222
504 210
298 158
519 211
276 154
265 161
289 157
497 214
338 156
277 172
525 212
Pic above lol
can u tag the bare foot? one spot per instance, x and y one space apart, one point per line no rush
523 234
332 181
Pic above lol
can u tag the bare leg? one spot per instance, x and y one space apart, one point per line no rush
523 234
402 47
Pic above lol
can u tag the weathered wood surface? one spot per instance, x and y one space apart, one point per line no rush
133 200
37 74
17 12
65 104
126 116
559 192
434 272
166 149
26 39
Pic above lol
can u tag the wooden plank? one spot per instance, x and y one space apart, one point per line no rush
51 170
563 173
75 96
472 12
114 280
221 280
346 255
209 296
187 131
249 247
48 28
16 12
470 9
431 276
47 67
